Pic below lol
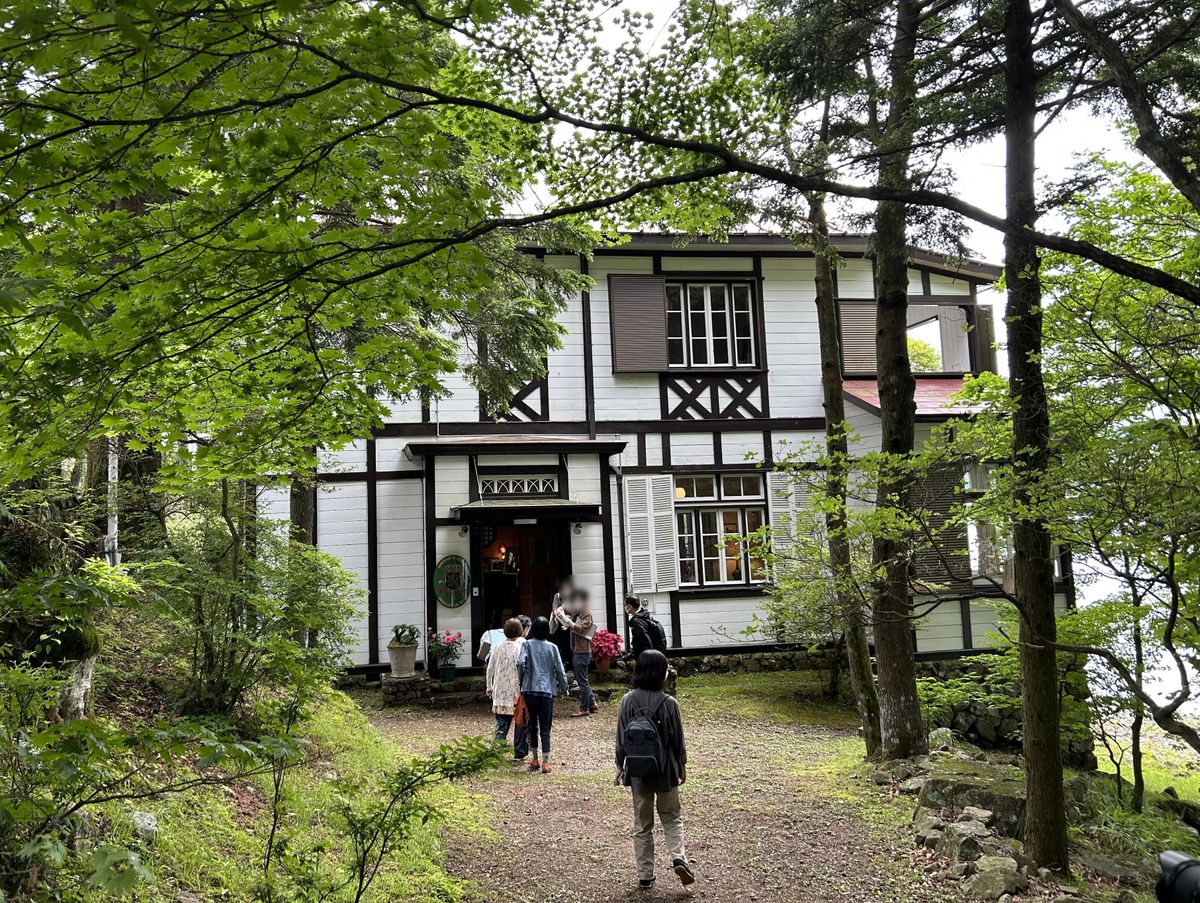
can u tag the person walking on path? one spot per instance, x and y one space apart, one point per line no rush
651 759
542 676
582 627
503 682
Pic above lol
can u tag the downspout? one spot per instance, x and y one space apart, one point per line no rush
619 470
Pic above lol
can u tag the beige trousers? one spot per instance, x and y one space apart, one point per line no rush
644 805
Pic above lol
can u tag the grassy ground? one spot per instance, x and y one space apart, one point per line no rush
211 841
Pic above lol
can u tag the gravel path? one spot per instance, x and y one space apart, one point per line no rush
760 819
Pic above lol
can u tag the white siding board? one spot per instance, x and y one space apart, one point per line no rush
941 629
683 265
948 285
793 347
389 456
715 622
583 475
619 396
856 279
342 532
401 558
451 484
653 449
691 448
450 543
742 448
351 459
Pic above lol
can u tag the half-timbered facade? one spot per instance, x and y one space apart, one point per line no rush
651 439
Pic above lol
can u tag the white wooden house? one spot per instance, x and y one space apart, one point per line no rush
651 437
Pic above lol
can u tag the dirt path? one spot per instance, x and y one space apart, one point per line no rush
761 816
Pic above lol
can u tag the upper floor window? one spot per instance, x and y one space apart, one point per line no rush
710 324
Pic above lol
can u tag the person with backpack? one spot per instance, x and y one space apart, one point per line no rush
652 761
645 632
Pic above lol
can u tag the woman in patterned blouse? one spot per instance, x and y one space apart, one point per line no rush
503 682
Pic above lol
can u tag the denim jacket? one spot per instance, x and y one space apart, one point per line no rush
541 668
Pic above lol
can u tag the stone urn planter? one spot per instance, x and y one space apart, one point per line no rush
402 650
403 658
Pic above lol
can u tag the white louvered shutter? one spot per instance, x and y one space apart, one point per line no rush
666 549
650 525
639 530
782 497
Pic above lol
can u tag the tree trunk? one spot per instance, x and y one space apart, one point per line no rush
902 728
1138 800
303 527
1045 822
858 651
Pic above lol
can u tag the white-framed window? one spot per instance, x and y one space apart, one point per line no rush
710 324
711 518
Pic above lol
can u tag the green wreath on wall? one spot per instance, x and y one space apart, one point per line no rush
452 581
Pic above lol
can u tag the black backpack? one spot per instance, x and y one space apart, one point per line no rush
645 746
654 632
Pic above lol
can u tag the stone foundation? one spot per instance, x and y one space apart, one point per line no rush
406 690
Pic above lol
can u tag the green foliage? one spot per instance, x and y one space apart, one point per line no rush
254 246
405 634
244 624
923 357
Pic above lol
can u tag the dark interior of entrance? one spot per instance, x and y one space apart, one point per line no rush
519 566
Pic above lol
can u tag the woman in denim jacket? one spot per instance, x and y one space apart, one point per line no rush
540 667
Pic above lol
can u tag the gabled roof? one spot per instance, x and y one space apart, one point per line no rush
933 397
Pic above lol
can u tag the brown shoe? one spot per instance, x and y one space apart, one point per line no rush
535 765
546 769
582 714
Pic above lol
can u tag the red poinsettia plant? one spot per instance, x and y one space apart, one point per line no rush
606 645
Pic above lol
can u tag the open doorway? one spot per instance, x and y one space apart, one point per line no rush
519 566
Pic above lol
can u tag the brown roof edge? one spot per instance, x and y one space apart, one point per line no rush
512 444
844 242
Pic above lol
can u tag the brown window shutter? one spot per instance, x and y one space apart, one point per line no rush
985 339
858 336
938 496
638 315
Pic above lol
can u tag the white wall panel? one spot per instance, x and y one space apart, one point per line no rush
452 486
450 543
401 558
342 532
713 622
691 448
389 455
653 450
683 265
793 346
351 459
742 448
856 279
565 365
587 565
941 629
583 475
947 285
619 396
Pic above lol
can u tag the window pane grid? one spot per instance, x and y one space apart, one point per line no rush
710 325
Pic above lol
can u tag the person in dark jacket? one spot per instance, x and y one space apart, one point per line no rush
662 792
642 627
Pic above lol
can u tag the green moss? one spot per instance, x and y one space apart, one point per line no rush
785 697
211 840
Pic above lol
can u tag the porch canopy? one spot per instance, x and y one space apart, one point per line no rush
518 506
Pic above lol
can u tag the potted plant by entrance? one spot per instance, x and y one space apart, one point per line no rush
402 650
444 646
606 646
